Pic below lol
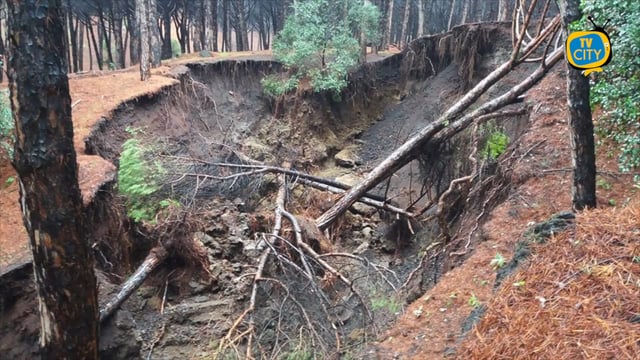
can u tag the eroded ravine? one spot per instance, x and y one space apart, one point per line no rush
219 106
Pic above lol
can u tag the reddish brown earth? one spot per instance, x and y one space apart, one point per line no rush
93 98
541 186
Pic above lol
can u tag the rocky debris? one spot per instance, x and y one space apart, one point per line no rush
348 157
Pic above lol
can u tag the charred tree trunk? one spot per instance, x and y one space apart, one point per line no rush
242 36
133 26
213 24
386 38
583 191
45 160
117 16
226 44
96 45
166 27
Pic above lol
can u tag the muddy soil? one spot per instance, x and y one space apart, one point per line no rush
219 113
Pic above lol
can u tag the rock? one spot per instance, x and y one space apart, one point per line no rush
363 209
348 157
367 231
349 179
362 248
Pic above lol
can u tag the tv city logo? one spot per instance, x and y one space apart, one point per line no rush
588 50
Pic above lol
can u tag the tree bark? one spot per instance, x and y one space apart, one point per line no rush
133 26
117 9
386 39
451 14
420 18
145 48
465 12
156 256
214 25
167 51
242 42
226 38
154 33
503 10
405 22
45 161
583 157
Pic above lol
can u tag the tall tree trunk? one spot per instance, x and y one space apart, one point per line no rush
45 161
405 22
242 33
133 27
154 33
226 39
167 52
105 39
451 14
96 45
420 18
263 25
142 14
583 192
73 37
80 42
117 9
214 25
465 12
503 10
386 39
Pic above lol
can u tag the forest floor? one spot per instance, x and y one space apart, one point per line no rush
430 327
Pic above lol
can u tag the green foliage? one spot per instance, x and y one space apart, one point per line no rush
473 301
176 50
275 86
318 42
139 181
617 89
6 123
495 146
384 302
497 262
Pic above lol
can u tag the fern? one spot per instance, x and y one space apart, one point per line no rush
139 181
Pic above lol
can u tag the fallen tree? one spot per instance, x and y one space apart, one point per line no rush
451 122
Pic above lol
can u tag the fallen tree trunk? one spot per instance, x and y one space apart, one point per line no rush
156 256
405 152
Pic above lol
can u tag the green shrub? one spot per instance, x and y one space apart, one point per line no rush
275 86
496 145
6 123
176 50
139 181
617 88
318 42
